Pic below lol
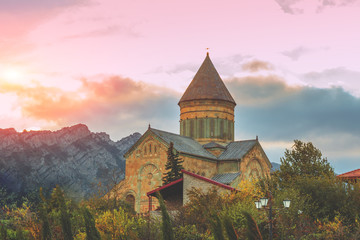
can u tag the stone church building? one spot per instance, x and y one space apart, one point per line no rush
205 143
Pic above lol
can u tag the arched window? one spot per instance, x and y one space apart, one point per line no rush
192 128
145 152
222 129
201 128
212 127
149 148
155 149
229 130
130 199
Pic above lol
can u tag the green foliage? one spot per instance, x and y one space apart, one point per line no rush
188 232
173 165
229 228
216 227
59 200
20 234
303 160
46 232
3 232
253 232
103 204
167 230
91 231
118 224
7 198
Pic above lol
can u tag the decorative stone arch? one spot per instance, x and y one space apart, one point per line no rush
149 177
254 169
146 167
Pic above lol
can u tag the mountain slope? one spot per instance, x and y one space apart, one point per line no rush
73 157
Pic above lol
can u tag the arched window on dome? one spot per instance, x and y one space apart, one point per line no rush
222 135
229 130
192 128
212 127
201 128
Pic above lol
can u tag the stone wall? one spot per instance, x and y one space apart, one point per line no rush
191 182
255 164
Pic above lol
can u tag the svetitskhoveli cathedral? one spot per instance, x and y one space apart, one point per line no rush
205 143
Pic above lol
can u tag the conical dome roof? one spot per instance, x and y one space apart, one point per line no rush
207 84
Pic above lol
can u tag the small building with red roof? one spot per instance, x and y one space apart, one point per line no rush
175 194
352 176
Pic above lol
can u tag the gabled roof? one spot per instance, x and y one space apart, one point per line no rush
355 174
226 178
207 84
187 145
237 150
183 144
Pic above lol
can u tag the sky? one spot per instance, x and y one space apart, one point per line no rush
292 66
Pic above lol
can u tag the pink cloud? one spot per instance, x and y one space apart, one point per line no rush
103 104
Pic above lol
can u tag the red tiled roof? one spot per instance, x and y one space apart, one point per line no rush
163 187
193 175
350 175
208 180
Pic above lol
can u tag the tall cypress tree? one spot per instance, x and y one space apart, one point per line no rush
167 230
46 232
43 214
173 165
58 197
91 232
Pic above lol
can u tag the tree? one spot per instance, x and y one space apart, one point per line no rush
91 232
229 228
43 215
253 232
306 173
303 160
59 200
173 165
46 232
167 230
216 227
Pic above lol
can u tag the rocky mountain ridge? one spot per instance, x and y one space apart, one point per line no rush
73 157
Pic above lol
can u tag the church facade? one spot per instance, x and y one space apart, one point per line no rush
205 143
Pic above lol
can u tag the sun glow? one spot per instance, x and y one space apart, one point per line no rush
12 74
33 129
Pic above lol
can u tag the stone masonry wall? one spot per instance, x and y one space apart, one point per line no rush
191 182
254 164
